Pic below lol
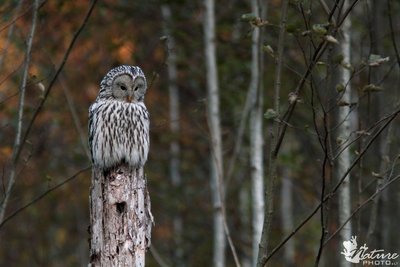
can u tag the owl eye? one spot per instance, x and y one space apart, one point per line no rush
123 87
136 88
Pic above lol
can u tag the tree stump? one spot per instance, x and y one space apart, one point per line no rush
120 217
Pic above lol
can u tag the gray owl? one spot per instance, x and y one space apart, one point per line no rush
119 121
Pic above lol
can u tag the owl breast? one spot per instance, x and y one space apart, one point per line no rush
118 132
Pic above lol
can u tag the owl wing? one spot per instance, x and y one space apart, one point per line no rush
142 131
92 118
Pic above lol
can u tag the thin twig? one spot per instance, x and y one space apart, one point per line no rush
366 202
75 117
385 151
20 16
377 134
239 136
316 56
41 196
9 34
157 257
363 132
9 76
347 12
323 219
392 35
270 187
21 141
220 192
289 112
214 125
333 192
17 142
229 237
60 68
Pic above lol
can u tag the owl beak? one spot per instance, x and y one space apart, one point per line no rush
129 98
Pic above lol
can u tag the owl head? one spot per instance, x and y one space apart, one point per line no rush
124 83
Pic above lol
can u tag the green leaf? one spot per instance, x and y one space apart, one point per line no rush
331 39
376 60
319 29
271 114
291 28
346 65
372 88
340 140
340 88
269 50
249 17
337 59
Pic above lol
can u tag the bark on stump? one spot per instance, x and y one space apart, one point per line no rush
120 217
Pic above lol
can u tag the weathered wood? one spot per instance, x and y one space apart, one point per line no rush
120 217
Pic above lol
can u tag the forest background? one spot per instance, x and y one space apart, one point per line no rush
54 54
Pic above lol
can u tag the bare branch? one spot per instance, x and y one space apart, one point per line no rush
316 56
75 117
157 257
325 164
21 15
366 202
392 35
269 205
347 12
10 33
239 136
52 82
17 141
214 125
41 196
391 117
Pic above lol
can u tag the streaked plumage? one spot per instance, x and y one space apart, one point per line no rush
119 121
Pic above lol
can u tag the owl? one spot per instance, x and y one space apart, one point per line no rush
119 121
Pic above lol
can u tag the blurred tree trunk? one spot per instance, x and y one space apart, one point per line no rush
273 151
380 203
174 148
245 223
287 215
390 198
213 117
120 217
256 135
344 133
9 34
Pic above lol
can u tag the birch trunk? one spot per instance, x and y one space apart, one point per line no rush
120 217
213 117
174 163
256 138
344 132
